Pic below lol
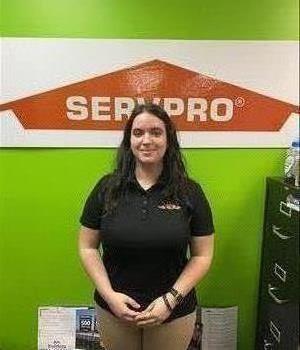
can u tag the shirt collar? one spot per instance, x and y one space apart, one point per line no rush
161 181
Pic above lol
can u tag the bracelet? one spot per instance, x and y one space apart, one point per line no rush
178 296
166 301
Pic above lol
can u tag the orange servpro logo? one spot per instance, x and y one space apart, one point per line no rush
195 102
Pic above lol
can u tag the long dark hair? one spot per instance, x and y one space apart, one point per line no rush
174 170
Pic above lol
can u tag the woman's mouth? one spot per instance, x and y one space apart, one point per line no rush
147 152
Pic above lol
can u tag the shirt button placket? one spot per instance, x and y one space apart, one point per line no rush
144 207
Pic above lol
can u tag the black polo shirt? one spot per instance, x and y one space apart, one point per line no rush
145 241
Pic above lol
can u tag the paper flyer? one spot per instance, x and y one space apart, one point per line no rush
67 328
219 328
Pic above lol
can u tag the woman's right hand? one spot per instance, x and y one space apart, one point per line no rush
118 303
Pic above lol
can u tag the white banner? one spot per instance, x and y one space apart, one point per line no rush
79 92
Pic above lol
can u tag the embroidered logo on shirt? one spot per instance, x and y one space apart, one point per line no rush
169 206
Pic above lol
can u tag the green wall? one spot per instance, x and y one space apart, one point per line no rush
42 190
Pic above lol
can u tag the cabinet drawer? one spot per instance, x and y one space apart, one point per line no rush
278 326
278 208
281 250
279 283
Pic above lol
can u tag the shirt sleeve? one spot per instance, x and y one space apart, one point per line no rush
201 222
93 207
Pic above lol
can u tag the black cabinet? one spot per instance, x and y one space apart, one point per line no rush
278 306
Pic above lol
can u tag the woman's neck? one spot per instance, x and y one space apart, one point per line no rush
148 173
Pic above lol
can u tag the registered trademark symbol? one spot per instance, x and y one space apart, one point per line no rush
239 101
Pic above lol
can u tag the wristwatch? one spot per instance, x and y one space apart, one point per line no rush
178 297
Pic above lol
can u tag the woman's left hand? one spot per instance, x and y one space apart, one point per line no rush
154 315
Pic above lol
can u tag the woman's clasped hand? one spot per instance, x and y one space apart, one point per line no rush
127 309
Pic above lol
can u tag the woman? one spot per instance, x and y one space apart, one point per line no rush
145 215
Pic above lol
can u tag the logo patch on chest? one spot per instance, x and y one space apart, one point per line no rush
169 206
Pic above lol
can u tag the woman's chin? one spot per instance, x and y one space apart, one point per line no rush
148 160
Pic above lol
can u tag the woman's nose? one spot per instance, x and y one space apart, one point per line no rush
146 138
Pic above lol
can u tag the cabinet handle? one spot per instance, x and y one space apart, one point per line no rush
271 291
284 209
275 331
279 272
267 346
275 230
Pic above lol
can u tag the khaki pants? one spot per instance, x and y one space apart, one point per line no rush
119 335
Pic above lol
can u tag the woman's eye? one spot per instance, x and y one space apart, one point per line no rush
153 132
137 132
156 132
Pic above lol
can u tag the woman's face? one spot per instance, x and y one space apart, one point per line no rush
148 138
